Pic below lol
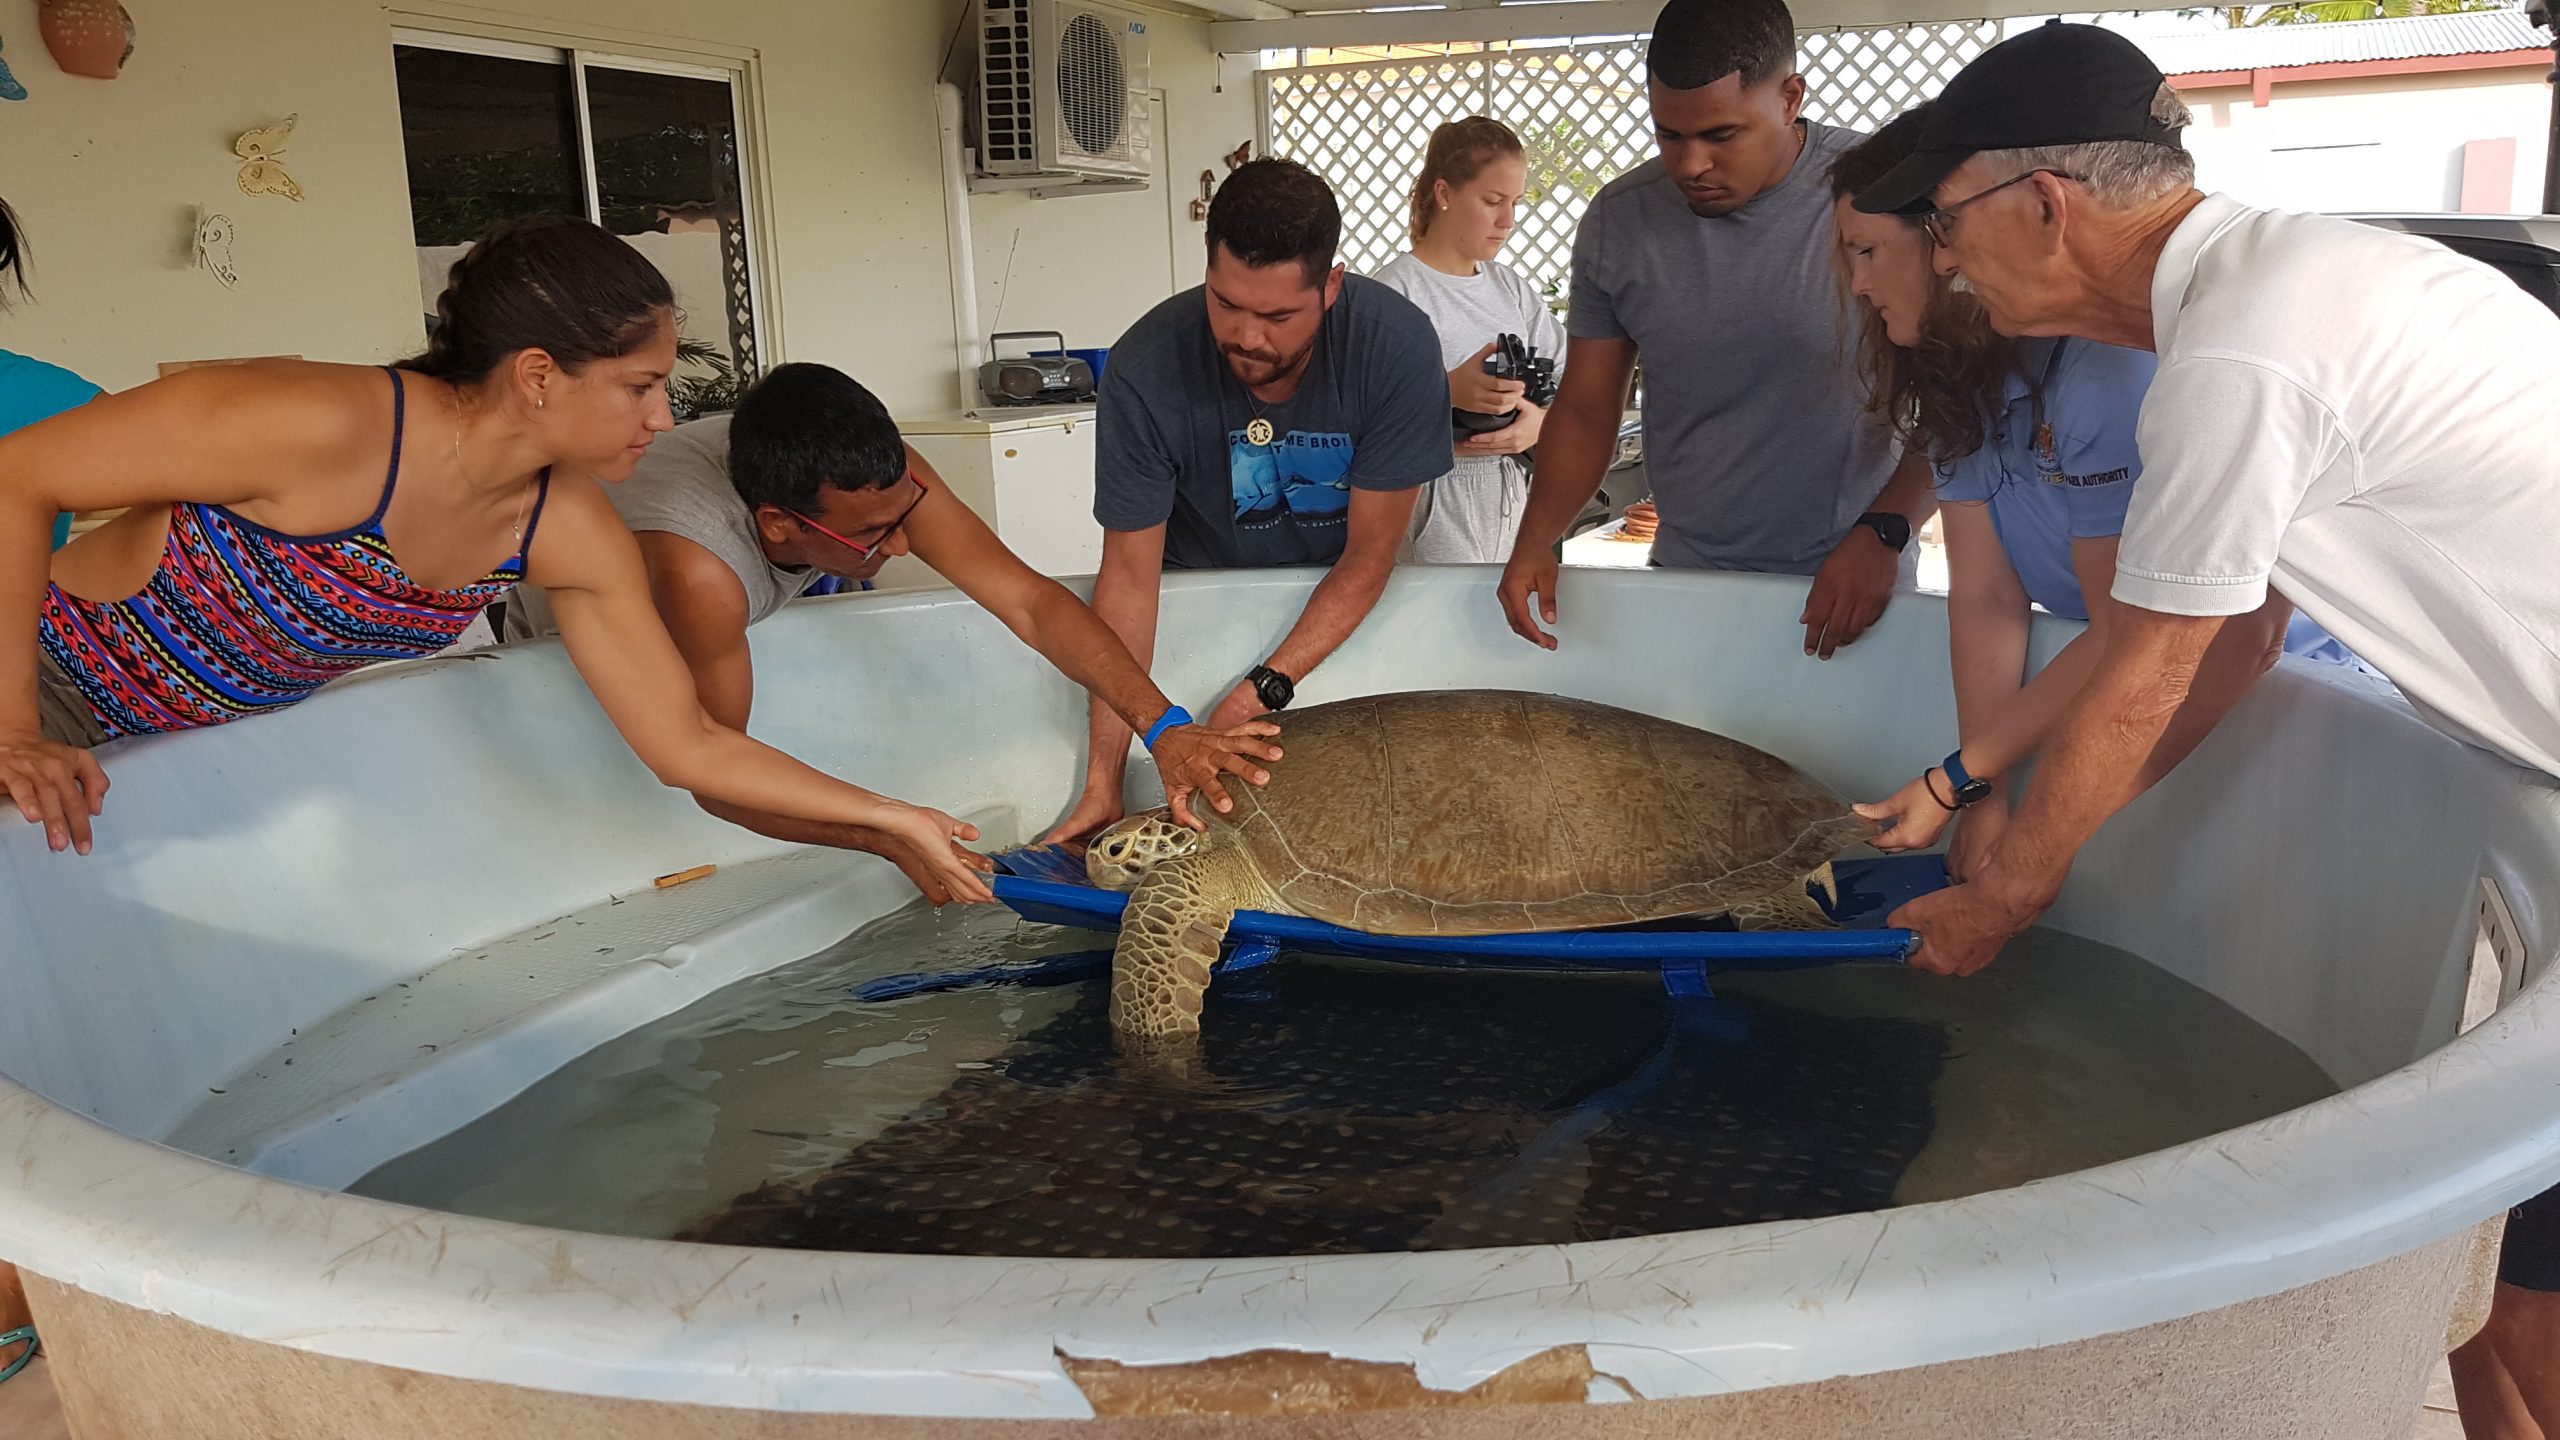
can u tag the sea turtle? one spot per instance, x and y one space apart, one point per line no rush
1466 812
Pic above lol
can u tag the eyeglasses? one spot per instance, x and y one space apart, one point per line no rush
856 546
1941 223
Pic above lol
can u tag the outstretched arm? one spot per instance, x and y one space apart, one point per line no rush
600 591
949 536
1125 596
2165 682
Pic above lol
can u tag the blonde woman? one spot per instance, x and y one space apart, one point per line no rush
1465 202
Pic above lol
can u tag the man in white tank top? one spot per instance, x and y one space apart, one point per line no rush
738 515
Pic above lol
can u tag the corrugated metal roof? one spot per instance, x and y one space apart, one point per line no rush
2276 47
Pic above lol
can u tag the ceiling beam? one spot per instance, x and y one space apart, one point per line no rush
1466 20
1233 9
1424 27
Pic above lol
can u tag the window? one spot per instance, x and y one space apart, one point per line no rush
651 151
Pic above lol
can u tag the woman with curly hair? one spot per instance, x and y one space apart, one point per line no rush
2033 443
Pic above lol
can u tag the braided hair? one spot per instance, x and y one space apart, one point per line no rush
554 283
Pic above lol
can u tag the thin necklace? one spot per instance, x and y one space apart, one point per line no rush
524 502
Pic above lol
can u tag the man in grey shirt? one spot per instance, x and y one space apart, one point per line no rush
738 515
1714 262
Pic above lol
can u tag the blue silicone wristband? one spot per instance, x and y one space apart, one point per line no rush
1173 718
1957 776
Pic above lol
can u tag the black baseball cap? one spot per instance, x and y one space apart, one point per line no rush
2057 84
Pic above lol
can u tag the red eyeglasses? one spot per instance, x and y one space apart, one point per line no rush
856 546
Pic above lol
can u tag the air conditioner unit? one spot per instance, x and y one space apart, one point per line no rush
1062 90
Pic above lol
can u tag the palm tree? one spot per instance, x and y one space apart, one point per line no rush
2241 17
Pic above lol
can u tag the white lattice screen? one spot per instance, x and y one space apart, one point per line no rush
1579 109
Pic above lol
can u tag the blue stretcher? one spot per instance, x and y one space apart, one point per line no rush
1047 884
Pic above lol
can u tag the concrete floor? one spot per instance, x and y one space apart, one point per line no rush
28 1410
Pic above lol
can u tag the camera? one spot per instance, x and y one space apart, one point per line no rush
1512 359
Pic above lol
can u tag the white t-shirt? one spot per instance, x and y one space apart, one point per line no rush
2364 419
1471 515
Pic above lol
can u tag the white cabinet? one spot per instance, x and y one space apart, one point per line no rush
1029 472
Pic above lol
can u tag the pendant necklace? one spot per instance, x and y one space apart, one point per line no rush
1257 431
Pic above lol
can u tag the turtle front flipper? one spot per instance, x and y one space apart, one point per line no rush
1169 939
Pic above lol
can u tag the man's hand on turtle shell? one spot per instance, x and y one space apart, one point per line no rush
1191 758
1242 703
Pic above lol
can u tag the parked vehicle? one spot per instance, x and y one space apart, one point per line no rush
2524 248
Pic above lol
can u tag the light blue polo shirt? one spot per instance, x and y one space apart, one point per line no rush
2042 497
31 390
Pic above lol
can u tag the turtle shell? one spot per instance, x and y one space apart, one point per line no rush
1474 812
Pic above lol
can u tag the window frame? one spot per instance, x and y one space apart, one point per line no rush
739 71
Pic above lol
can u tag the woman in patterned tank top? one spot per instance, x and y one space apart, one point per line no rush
289 522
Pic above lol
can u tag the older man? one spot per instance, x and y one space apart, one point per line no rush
2347 419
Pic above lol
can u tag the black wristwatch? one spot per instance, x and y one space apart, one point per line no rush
1892 529
1276 689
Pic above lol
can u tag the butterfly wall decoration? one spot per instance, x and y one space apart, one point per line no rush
214 234
10 89
261 173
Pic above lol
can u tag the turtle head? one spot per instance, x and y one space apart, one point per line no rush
1121 856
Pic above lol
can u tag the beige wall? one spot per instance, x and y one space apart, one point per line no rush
105 176
2384 142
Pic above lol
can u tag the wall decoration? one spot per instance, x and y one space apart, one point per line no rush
10 89
214 234
261 173
87 37
1209 180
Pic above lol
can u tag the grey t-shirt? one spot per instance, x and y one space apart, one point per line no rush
681 487
1170 437
1472 514
1758 449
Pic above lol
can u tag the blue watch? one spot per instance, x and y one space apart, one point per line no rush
1968 789
1174 718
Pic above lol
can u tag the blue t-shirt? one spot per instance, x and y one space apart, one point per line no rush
1171 446
31 390
2070 479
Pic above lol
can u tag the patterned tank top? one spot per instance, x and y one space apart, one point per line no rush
239 620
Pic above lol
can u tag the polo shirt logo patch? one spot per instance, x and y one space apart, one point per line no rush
2091 482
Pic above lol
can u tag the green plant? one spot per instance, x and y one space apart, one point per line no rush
1560 155
693 396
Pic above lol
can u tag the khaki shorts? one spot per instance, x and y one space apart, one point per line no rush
61 710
